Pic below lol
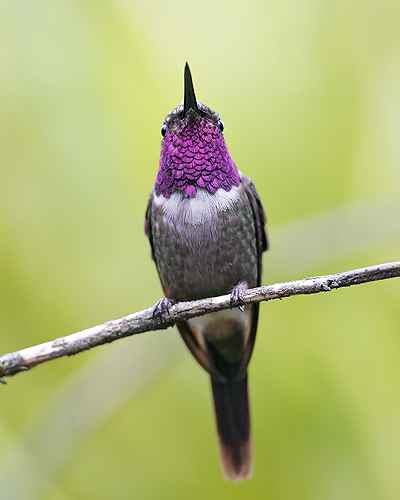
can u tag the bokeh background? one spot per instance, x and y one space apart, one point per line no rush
309 91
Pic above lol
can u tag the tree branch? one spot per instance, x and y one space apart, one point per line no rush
146 320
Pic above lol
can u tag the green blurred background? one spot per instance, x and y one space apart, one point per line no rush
309 91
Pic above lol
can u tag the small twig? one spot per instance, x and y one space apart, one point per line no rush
145 320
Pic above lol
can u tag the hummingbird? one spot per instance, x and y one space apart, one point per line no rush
206 227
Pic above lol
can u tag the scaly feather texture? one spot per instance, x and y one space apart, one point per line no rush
195 156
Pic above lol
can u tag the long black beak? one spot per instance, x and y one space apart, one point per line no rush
189 101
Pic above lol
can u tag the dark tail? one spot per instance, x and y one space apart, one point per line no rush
232 414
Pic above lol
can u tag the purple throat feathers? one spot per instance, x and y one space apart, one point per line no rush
195 157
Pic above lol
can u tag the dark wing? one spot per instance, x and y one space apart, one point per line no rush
262 245
200 352
147 225
260 221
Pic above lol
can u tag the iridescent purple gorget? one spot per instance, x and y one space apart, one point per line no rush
194 156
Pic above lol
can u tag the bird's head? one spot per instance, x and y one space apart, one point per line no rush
193 150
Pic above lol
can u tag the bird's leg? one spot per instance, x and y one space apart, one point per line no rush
162 308
237 295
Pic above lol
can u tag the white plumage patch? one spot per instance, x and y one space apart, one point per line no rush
199 208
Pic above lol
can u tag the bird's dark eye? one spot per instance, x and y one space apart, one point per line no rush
221 125
163 130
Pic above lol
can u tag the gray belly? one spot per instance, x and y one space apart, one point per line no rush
204 245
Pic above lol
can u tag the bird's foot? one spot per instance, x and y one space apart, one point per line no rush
237 295
161 309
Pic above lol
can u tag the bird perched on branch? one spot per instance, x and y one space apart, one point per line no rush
206 227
